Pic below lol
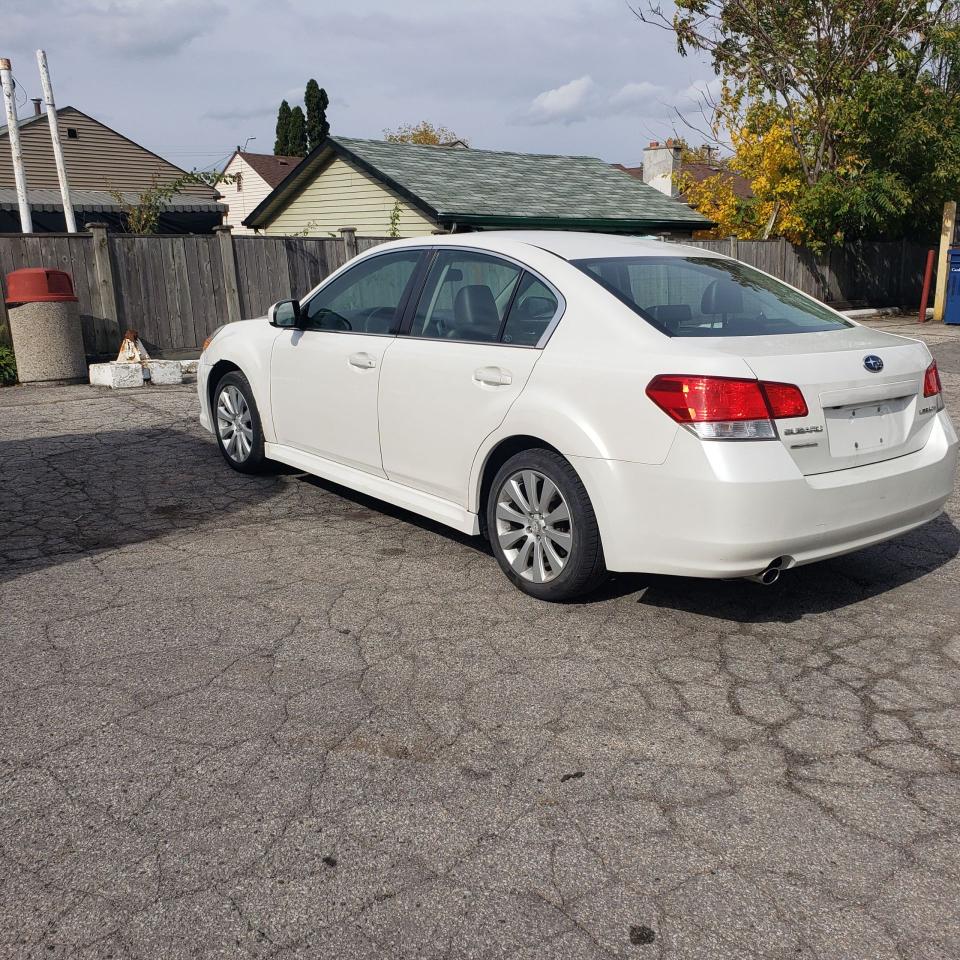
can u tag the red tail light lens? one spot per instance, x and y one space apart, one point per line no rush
784 399
931 381
690 399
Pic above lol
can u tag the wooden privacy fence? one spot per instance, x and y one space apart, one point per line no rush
176 289
864 273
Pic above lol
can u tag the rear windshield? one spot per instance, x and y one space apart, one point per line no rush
707 297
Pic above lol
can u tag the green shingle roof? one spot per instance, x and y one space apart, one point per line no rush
496 188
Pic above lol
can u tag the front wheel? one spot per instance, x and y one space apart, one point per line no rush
237 424
542 527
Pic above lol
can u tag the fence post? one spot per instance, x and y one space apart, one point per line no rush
783 259
946 238
228 256
733 247
901 290
4 320
349 235
101 257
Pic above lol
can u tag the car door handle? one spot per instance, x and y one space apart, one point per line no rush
493 376
362 360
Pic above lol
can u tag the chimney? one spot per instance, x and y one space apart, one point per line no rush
661 164
36 106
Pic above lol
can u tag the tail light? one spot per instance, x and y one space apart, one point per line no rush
726 408
931 384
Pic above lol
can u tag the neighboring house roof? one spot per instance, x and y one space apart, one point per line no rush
89 160
272 169
102 201
487 188
26 121
698 171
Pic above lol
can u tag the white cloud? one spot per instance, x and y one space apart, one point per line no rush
129 28
634 95
565 104
583 99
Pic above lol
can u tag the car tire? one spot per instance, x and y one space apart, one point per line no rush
236 424
542 527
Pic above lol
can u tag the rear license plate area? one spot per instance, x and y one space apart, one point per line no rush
865 428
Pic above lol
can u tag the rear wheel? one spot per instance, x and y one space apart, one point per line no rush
237 424
542 527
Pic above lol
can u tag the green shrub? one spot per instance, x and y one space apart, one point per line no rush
8 367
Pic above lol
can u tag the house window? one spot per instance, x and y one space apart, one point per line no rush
72 133
239 182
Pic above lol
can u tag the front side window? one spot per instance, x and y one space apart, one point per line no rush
366 299
466 297
707 297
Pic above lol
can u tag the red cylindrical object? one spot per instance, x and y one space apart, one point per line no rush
39 285
927 274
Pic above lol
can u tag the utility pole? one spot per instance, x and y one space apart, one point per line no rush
943 260
13 129
55 139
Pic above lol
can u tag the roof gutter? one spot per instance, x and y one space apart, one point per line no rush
603 224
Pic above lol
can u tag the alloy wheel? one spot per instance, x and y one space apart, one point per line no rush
234 423
534 526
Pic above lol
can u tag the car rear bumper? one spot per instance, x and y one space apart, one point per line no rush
727 509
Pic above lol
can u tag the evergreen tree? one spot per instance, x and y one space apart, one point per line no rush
316 100
281 147
297 133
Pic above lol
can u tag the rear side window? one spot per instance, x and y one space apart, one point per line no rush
466 297
707 297
534 307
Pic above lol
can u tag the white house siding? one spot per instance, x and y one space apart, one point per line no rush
242 197
344 196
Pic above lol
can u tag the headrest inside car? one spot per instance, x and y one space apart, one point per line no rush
722 296
474 305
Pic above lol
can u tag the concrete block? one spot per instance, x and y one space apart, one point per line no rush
116 375
165 372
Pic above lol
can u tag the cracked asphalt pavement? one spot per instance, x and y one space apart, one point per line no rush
267 717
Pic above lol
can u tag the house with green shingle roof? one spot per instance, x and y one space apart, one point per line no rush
372 184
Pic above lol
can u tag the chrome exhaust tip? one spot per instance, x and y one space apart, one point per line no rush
769 576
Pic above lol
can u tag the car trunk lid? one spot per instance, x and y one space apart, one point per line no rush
859 411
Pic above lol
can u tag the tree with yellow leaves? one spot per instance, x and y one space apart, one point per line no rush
763 153
424 133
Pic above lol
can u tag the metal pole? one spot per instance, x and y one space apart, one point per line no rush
927 274
55 139
13 129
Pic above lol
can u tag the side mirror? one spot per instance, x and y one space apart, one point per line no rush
285 314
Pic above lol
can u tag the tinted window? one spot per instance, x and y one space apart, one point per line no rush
704 297
534 306
366 299
466 297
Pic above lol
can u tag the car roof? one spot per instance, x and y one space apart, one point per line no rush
569 245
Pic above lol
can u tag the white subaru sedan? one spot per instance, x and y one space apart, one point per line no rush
591 403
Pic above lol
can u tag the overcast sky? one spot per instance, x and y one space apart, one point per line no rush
191 79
